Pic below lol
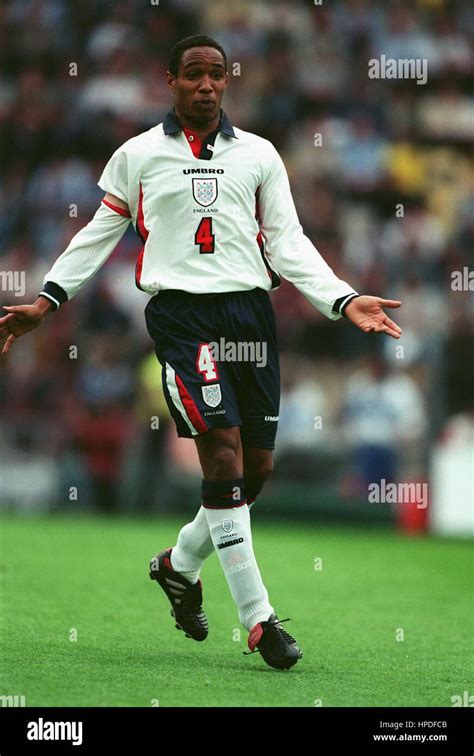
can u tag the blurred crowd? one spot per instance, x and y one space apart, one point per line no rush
382 178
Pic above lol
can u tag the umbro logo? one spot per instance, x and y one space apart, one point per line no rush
230 543
202 170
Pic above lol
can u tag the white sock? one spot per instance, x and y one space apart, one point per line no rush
194 546
230 530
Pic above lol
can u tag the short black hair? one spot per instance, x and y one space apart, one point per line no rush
197 40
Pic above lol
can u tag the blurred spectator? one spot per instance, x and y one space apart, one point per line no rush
383 411
155 426
100 434
363 158
101 419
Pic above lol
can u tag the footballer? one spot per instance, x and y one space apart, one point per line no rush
212 206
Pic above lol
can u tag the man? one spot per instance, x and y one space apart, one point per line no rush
213 207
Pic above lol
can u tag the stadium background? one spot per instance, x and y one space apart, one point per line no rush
78 396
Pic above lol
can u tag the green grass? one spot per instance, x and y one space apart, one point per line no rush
90 574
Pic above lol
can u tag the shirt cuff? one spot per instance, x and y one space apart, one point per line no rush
340 304
54 293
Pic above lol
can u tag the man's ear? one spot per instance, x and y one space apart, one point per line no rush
170 80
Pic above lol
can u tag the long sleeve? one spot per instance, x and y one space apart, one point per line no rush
288 250
86 253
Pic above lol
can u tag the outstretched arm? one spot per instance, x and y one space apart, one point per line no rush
288 250
85 254
294 256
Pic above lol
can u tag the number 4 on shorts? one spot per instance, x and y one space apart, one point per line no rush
206 364
204 237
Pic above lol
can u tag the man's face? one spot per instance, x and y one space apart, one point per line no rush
199 86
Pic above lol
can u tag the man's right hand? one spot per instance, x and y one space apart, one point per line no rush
21 319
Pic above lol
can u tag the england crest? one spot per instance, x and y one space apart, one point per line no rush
212 394
205 191
227 525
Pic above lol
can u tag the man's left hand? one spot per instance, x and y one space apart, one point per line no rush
368 315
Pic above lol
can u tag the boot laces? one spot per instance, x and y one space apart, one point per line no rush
286 635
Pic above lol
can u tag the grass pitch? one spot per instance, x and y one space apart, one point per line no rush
383 620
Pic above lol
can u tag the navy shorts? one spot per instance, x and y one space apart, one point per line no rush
220 362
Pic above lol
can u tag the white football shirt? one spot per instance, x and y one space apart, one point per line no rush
213 217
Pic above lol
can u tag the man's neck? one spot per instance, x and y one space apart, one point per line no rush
201 129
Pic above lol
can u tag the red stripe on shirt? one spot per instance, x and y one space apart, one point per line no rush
143 231
140 217
119 210
259 235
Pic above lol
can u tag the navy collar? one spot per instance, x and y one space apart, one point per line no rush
172 124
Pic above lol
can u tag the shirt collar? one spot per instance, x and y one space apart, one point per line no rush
172 124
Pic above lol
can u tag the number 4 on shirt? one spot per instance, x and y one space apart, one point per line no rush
204 237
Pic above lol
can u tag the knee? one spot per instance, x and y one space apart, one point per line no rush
256 476
225 462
